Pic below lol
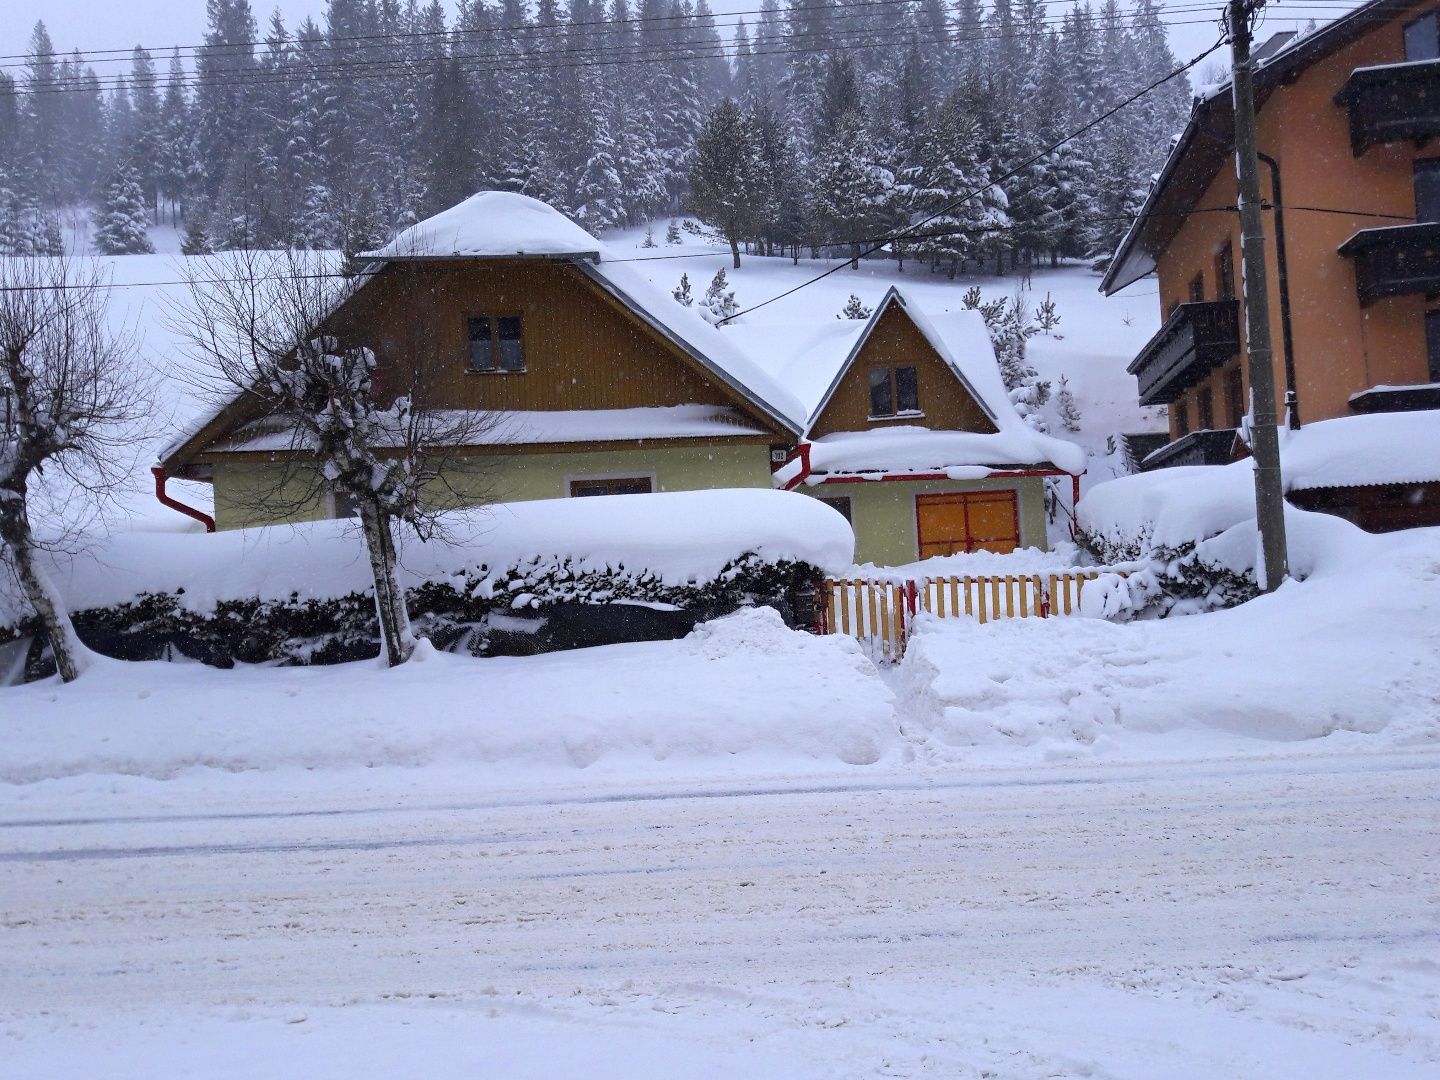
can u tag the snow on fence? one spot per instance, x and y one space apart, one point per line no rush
879 612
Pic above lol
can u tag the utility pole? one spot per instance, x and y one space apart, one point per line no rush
1264 439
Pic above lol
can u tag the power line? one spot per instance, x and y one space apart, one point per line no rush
848 11
670 52
722 253
1014 170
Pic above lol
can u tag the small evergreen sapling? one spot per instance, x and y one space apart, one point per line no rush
681 292
854 309
1066 407
197 237
718 303
1046 317
649 241
672 232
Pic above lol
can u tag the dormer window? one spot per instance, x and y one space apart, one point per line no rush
1422 38
495 343
894 392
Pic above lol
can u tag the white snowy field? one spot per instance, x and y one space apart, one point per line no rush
1208 919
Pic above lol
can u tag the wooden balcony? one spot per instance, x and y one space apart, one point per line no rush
1194 341
1197 448
1392 103
1395 261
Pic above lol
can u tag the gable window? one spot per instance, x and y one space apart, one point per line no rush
1427 190
1422 39
894 391
1235 396
1225 272
1197 289
611 485
1205 407
1181 411
495 343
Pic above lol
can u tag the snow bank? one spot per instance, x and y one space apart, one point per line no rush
743 685
679 537
1351 649
1187 504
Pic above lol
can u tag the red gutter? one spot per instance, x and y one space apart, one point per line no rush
161 476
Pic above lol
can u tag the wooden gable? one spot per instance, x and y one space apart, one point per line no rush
583 348
893 340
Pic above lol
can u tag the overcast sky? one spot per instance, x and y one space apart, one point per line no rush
159 24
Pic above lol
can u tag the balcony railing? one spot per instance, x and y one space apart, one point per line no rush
1395 261
1392 103
1197 448
1194 341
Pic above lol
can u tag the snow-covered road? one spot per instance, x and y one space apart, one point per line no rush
1226 919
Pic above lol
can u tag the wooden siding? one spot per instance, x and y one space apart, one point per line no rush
582 350
897 342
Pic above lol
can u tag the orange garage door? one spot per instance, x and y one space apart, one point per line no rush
967 521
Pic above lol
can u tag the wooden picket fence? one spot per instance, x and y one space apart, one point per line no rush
880 612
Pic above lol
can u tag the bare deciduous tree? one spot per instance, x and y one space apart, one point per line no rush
71 398
350 428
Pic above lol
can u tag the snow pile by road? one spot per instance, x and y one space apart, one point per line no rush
1350 649
679 537
742 689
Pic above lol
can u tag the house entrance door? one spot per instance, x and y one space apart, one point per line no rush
967 521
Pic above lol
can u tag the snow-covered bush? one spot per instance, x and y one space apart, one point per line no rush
475 612
854 309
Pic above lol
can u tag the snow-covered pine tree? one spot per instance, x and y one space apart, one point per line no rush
719 300
854 195
728 188
196 240
1066 407
854 309
682 293
122 217
672 232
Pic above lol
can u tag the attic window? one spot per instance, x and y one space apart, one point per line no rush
495 343
1422 39
894 392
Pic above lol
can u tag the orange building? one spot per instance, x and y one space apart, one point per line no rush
1347 122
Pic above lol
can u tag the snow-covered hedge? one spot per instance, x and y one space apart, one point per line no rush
516 577
1188 534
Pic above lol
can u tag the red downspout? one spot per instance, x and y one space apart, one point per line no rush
161 476
1074 506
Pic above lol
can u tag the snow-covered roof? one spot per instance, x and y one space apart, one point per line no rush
526 427
959 337
958 455
811 361
1359 451
492 224
709 345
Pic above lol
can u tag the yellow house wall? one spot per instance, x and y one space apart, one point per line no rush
241 489
265 493
883 512
1339 347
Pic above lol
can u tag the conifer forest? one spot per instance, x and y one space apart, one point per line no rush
818 127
